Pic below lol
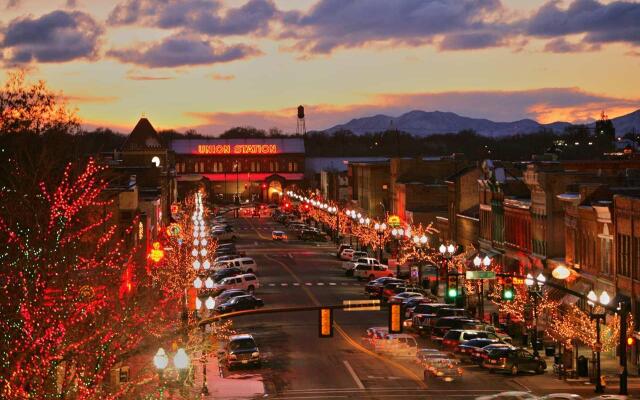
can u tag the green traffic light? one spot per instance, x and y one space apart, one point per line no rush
452 292
507 295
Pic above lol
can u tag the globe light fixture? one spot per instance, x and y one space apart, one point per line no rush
529 280
477 261
451 248
423 239
367 221
197 283
604 298
206 264
561 272
161 360
196 265
194 252
541 279
592 298
208 283
196 242
486 261
204 242
442 249
203 252
209 303
181 359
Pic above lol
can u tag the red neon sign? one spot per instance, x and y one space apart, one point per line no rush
237 149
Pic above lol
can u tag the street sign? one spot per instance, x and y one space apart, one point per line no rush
393 221
471 275
361 305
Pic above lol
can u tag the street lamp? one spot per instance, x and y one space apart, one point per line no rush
161 360
380 228
447 253
477 261
397 234
534 289
599 314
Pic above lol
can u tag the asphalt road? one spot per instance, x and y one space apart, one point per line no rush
298 364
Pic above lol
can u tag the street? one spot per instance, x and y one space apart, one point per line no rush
298 364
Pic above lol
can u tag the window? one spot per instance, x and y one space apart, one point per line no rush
273 166
255 166
293 166
605 256
247 262
624 254
250 278
217 166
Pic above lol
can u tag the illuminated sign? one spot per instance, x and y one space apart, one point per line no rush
393 220
237 149
156 254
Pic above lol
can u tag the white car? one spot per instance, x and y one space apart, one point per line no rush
346 253
248 282
245 264
347 265
371 272
223 235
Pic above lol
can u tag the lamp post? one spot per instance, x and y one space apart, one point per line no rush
477 261
534 289
598 313
380 228
447 252
398 234
421 243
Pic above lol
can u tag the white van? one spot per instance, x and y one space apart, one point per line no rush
397 344
245 264
248 282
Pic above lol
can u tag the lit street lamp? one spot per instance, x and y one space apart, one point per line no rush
398 235
599 314
380 228
477 261
534 289
446 252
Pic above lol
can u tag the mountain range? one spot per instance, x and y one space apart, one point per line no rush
423 123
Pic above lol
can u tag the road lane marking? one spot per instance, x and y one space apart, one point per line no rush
284 284
412 375
353 374
308 283
320 284
332 284
272 284
296 284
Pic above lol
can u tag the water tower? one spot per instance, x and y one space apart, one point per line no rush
301 129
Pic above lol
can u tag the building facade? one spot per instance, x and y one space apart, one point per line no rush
254 169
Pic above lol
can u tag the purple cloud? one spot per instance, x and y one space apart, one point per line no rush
472 40
602 23
182 51
55 37
199 16
560 45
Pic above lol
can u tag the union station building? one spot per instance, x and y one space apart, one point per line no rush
245 169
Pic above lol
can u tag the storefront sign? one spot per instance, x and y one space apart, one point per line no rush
470 275
237 149
393 220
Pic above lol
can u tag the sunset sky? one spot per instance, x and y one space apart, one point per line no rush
211 65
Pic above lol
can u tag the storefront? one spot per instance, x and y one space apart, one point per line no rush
256 169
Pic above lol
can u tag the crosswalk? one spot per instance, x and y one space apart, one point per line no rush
299 284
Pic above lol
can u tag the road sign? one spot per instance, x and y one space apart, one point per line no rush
361 305
471 275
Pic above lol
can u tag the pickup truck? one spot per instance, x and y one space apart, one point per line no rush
348 265
371 271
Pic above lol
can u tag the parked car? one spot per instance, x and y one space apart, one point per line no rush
225 273
479 355
404 296
312 235
444 324
397 344
465 350
354 255
247 282
454 337
513 361
278 235
341 248
246 264
239 303
226 295
411 304
374 287
423 314
227 257
347 265
223 236
241 350
371 272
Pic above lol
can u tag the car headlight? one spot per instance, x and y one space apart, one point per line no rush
440 373
255 354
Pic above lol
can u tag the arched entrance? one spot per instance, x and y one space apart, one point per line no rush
274 191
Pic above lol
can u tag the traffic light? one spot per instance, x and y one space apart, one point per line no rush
508 293
326 323
631 341
395 318
452 286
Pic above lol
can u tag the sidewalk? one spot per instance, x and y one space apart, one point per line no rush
243 384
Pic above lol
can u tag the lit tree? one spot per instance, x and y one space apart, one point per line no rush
73 298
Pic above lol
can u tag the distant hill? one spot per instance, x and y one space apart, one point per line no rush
423 123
